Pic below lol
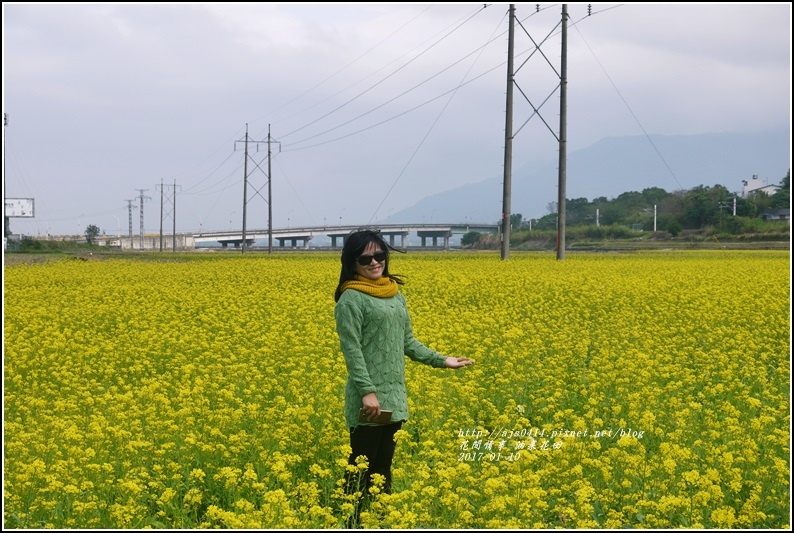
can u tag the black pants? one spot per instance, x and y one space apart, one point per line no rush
377 444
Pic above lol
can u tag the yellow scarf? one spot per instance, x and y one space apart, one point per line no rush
383 287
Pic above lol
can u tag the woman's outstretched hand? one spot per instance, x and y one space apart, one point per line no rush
458 362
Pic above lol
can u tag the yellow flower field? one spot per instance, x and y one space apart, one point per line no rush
646 390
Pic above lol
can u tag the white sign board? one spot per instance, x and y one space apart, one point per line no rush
19 207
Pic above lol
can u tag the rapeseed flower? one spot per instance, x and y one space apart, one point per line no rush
213 396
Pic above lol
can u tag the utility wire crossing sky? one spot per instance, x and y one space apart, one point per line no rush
368 108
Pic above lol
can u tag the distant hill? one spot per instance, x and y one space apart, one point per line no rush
613 166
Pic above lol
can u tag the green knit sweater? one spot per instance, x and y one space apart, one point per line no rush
375 336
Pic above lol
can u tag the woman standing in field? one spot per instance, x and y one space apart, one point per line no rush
375 335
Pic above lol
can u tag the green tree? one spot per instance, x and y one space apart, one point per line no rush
611 213
91 233
703 206
670 224
745 207
579 211
546 222
761 202
631 201
782 197
470 238
625 209
515 220
654 195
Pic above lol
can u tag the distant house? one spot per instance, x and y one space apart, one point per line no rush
777 214
757 184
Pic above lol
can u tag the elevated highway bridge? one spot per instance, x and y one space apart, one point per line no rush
437 234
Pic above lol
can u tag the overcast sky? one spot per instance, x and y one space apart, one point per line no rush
370 107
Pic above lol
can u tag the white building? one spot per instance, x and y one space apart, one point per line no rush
757 184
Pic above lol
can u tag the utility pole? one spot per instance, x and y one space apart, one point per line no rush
142 198
728 205
131 207
161 214
508 164
269 198
245 180
509 134
169 199
654 218
245 184
6 222
270 141
563 133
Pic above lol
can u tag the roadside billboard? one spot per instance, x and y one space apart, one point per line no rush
19 208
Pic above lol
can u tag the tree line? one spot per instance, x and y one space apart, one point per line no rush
655 209
697 208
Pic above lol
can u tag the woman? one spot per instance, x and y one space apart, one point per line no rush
375 336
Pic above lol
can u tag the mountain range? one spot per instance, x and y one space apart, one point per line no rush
612 166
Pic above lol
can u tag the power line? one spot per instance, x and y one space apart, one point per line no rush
193 189
401 67
631 111
426 80
211 189
421 143
304 93
291 147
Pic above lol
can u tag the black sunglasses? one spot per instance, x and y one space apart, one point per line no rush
366 259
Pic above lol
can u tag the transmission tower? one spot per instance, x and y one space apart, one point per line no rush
6 224
142 198
131 207
561 138
268 174
168 209
245 180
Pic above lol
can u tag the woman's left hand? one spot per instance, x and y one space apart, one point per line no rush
458 362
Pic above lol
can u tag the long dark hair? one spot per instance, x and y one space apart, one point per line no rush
355 244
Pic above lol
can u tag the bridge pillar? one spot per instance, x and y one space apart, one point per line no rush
392 234
435 234
435 240
340 236
293 241
237 243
